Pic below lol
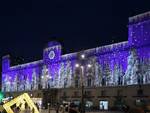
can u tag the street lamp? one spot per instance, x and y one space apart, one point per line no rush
48 107
89 65
82 67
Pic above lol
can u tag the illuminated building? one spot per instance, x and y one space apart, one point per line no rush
116 68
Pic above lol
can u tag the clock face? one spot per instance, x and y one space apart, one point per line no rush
51 55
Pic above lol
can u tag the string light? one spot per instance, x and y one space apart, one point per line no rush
18 100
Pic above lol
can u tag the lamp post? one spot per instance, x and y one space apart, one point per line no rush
48 107
82 90
82 67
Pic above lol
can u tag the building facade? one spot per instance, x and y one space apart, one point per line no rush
116 68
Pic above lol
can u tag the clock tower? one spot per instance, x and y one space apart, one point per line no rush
52 53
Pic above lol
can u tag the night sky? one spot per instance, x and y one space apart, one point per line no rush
26 26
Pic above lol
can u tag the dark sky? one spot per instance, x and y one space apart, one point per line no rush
26 26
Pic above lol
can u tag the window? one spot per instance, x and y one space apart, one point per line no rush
77 72
89 82
38 95
65 82
103 93
88 104
103 81
120 93
76 102
139 102
76 83
64 94
119 80
76 93
140 80
87 93
139 92
103 105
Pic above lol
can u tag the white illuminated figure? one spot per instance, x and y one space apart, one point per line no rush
136 76
28 84
50 81
55 81
132 73
107 74
44 77
111 78
20 84
146 71
64 78
97 79
98 74
4 83
15 83
117 75
68 74
61 75
8 83
129 70
34 80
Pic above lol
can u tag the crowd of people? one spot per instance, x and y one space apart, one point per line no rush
69 108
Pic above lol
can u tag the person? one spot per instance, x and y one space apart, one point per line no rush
66 108
32 110
37 106
17 110
26 105
57 108
72 108
61 109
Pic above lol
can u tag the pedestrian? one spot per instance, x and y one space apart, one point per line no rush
32 110
63 109
72 110
17 110
57 108
37 106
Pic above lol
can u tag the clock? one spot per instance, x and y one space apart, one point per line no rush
51 55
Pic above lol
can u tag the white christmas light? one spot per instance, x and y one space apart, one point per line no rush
89 65
82 56
77 65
